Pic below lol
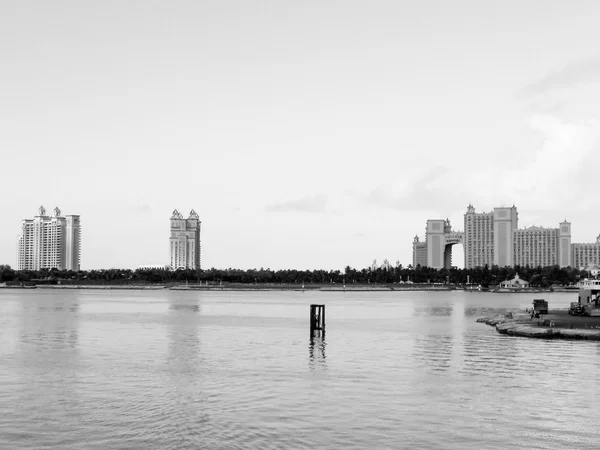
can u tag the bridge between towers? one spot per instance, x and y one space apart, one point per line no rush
439 240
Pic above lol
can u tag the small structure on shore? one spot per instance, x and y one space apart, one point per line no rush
515 283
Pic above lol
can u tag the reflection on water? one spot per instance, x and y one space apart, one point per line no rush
432 311
316 350
184 307
49 327
183 337
438 345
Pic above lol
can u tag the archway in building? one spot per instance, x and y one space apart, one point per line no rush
454 256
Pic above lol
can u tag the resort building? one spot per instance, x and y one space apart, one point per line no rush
493 239
419 253
536 246
185 241
586 256
539 246
478 240
505 224
48 242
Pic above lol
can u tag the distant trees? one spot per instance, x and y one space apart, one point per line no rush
384 274
6 273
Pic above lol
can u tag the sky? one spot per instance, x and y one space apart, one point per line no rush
305 134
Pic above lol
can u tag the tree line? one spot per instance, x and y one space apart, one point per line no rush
379 274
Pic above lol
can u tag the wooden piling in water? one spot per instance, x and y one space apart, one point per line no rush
317 318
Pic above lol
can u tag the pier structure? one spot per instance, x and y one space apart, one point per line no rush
317 319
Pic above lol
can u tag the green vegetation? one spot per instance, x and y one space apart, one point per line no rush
386 274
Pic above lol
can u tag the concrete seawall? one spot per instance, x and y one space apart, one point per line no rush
556 325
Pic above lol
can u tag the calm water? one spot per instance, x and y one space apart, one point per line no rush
227 370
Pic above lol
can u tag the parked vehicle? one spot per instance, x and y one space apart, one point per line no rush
540 306
576 309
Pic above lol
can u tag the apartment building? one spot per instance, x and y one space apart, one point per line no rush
48 242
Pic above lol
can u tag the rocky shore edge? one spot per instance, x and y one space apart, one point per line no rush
521 324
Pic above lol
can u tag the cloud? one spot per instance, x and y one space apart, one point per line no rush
547 105
315 203
548 179
424 189
572 73
143 209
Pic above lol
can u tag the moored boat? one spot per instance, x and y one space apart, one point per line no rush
589 297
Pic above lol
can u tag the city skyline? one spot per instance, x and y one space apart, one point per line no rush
306 134
185 243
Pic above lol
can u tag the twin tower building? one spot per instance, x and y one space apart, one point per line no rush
493 238
185 241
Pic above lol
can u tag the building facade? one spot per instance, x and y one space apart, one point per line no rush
419 253
185 241
536 246
505 224
587 255
48 242
494 239
539 246
478 238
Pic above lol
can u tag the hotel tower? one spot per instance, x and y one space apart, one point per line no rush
185 241
48 242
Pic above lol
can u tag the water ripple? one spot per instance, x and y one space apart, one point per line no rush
189 370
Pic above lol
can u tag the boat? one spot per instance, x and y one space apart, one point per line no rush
589 297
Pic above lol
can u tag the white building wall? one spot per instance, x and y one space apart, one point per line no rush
44 243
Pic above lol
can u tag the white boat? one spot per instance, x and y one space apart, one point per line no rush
589 297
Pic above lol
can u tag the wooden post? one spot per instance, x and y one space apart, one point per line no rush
317 318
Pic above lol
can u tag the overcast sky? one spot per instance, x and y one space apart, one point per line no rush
306 134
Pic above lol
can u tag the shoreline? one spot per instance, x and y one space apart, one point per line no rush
288 287
241 288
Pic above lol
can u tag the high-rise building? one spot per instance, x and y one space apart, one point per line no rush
536 246
185 241
586 255
565 253
49 242
73 248
505 223
419 253
478 238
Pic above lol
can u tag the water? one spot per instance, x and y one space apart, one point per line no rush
228 370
